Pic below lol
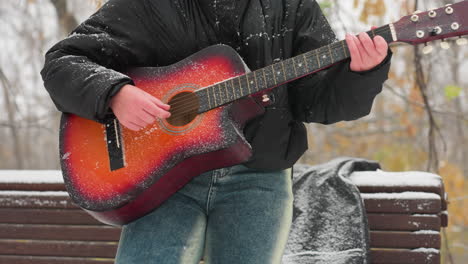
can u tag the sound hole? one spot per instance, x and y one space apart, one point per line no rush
184 108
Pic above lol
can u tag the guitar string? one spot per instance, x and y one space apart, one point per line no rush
185 99
181 107
335 45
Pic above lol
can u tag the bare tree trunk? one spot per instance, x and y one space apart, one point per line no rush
11 120
67 20
462 154
433 162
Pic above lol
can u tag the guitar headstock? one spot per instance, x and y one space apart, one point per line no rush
446 22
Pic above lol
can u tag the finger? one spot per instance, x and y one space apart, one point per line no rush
156 111
137 121
368 45
160 103
373 27
146 117
381 45
353 50
131 126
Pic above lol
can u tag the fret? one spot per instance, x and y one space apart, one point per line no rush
324 58
256 81
227 93
230 87
208 96
373 33
238 95
245 83
330 51
221 97
240 85
345 50
317 55
305 61
277 73
289 68
214 97
294 65
284 72
265 84
301 66
273 73
337 52
248 83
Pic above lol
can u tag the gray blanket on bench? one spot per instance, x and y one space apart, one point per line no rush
329 219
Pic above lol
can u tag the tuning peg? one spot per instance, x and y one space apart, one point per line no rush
427 49
462 41
445 45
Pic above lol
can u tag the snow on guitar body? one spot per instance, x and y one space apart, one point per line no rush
120 171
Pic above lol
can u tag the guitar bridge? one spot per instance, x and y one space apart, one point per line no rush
114 144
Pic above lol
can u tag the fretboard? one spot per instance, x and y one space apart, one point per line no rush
279 73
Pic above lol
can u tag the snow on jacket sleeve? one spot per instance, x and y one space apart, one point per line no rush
81 72
335 94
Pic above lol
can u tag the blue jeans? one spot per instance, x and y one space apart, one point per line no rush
225 216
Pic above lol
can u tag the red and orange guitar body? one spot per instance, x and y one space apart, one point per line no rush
161 158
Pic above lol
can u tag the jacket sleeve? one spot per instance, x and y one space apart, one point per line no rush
335 94
82 72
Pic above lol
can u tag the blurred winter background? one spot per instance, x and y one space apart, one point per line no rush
419 122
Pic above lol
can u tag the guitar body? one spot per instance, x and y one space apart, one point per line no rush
163 157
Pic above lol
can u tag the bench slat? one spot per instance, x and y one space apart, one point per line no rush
60 232
372 205
52 260
409 240
403 222
401 188
422 206
37 201
46 216
58 248
20 186
398 256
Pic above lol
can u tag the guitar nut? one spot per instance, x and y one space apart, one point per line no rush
432 14
455 26
437 30
415 18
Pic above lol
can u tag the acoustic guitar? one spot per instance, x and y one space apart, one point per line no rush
119 175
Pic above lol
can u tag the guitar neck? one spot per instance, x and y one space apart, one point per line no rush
280 73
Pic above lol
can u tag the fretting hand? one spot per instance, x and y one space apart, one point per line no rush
135 108
366 53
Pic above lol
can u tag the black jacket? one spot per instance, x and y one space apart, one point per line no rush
82 72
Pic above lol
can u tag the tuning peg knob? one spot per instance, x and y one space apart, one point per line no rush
445 45
427 49
462 41
449 10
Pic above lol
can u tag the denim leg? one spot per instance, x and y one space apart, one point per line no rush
174 233
249 218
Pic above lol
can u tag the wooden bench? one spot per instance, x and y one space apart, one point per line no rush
39 224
